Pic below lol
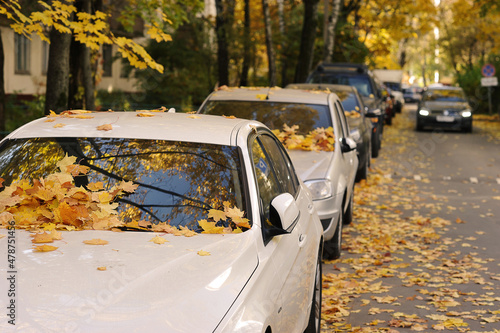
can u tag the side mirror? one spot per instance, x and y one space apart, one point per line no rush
284 211
347 145
373 113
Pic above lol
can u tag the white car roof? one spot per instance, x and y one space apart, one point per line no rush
161 126
274 94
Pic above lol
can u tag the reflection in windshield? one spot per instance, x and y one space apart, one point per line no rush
273 114
362 83
443 95
178 182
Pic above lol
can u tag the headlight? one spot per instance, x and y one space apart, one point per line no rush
320 189
423 112
466 113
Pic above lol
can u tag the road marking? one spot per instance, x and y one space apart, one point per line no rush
473 180
417 177
446 178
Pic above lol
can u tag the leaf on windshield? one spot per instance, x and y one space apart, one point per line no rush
210 227
217 215
128 186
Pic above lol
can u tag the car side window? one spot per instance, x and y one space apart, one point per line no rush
341 127
265 176
283 167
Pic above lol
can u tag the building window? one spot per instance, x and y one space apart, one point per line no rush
107 60
21 54
45 58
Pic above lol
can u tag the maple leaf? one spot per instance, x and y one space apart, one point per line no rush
95 186
59 125
42 238
77 169
158 240
105 127
184 231
96 241
241 222
101 268
210 227
65 162
45 248
129 187
203 253
217 215
194 117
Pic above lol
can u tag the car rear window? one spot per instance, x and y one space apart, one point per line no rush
274 114
361 82
178 182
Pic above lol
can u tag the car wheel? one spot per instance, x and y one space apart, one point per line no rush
375 146
333 247
420 126
388 119
347 218
314 325
363 172
467 129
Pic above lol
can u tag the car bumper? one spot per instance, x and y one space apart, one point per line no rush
328 211
452 123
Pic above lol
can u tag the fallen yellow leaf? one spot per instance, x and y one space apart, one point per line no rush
45 248
96 241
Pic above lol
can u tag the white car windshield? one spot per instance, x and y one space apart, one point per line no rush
178 182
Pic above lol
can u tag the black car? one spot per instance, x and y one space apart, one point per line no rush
444 107
360 125
359 76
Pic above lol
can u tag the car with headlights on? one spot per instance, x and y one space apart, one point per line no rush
444 107
313 128
156 222
359 124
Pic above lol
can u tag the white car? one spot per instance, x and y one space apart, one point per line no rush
330 175
103 214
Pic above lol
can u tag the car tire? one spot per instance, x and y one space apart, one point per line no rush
375 146
347 218
314 323
362 173
388 119
333 247
467 129
420 126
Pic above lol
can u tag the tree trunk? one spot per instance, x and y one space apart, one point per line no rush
307 40
87 81
2 88
330 31
56 98
246 45
269 44
222 51
282 28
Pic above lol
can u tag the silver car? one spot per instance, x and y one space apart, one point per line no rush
330 175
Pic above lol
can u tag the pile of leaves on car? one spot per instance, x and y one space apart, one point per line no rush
319 139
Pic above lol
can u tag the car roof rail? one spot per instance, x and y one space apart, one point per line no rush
343 66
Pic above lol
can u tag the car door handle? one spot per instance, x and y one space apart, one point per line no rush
302 240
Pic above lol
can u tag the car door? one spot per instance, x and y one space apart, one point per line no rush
350 159
293 254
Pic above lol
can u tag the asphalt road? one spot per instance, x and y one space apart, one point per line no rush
423 252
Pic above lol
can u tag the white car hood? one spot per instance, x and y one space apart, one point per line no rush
146 287
311 165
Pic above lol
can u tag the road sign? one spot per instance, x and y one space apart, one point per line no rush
488 70
489 81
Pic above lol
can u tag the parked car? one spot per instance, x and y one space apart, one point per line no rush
444 107
412 94
362 78
299 118
392 79
242 239
359 124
